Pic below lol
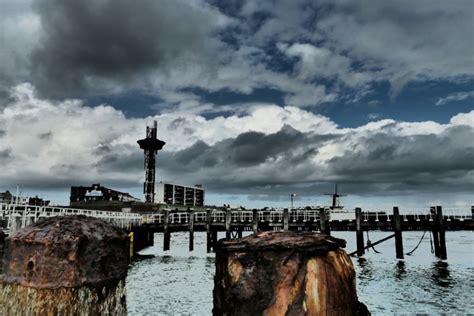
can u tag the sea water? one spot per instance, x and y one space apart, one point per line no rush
179 282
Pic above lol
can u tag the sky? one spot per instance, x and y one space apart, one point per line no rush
255 100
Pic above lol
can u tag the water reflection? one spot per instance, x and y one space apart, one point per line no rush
441 274
400 270
366 272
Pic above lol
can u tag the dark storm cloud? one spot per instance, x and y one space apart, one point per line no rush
246 150
380 162
5 154
398 157
86 42
45 136
116 161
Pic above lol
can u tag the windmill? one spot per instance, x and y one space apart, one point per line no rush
336 201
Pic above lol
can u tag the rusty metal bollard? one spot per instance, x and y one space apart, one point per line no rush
73 265
285 273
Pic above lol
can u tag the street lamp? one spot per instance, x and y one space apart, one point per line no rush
292 196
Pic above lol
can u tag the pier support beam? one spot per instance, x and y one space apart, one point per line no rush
166 231
255 221
191 229
208 231
324 221
359 232
228 222
434 231
397 228
441 233
72 265
286 220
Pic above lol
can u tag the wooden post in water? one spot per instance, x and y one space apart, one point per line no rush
397 227
435 230
228 221
166 232
286 220
191 229
255 221
442 234
324 221
208 230
359 232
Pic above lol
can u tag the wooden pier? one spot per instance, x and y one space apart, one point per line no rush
235 222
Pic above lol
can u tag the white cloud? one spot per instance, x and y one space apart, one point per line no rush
458 96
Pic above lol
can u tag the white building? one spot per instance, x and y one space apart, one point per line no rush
169 193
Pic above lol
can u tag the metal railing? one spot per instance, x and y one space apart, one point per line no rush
14 217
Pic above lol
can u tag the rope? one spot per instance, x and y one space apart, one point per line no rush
416 247
370 243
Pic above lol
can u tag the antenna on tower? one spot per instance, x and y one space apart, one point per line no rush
150 145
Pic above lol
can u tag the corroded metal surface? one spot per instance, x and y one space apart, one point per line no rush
20 300
280 241
284 273
71 251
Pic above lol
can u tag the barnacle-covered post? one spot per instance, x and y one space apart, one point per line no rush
285 273
72 265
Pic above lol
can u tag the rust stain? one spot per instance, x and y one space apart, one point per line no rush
235 269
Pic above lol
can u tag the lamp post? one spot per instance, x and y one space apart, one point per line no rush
292 196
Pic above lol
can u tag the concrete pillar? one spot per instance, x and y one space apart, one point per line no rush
73 265
285 273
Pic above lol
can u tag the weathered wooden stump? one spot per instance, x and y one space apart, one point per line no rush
72 265
285 273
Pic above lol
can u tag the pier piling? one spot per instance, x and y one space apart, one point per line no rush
208 231
191 229
435 230
73 265
228 221
166 231
359 232
397 227
255 221
441 233
324 221
286 219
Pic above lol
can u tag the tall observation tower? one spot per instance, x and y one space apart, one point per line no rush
150 145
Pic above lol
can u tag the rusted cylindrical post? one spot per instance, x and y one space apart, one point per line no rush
284 273
72 265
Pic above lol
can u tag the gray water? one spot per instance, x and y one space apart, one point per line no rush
178 282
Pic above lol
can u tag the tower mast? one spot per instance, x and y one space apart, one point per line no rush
150 145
